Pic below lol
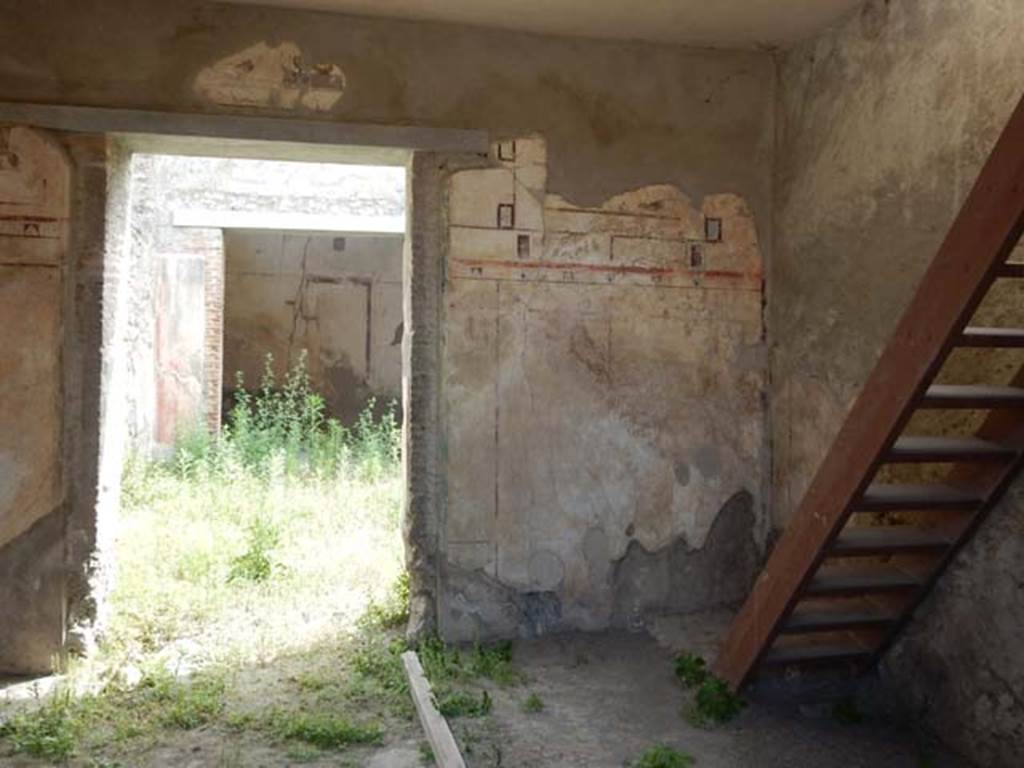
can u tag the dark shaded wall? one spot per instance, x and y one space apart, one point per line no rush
883 125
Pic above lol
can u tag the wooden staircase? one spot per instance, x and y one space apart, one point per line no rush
836 589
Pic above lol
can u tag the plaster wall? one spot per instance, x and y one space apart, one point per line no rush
883 125
35 181
337 298
640 143
603 393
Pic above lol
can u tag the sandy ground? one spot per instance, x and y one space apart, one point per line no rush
610 696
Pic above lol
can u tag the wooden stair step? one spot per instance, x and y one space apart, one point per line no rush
940 449
804 654
991 337
880 497
972 396
1011 269
861 579
850 614
887 539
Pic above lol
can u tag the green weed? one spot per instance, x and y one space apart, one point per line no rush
426 753
715 703
255 564
453 703
325 731
662 756
533 704
393 610
691 669
51 732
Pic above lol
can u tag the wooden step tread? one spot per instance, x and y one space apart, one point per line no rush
857 579
850 615
972 396
884 496
831 652
885 539
1011 269
991 337
938 449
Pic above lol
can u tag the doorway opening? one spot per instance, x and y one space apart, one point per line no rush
262 490
256 561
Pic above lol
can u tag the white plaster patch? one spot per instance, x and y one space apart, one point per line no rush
276 78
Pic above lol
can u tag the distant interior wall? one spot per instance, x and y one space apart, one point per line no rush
883 126
338 298
284 292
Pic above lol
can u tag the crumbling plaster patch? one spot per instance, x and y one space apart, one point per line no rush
271 77
603 389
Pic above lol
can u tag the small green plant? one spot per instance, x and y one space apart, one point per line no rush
391 612
303 753
426 753
255 564
846 712
662 756
325 731
493 662
691 669
715 703
533 704
462 704
184 705
50 732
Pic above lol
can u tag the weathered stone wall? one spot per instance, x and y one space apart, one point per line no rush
35 183
337 298
604 380
883 126
642 141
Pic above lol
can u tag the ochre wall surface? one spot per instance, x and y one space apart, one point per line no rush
34 210
883 126
604 381
337 298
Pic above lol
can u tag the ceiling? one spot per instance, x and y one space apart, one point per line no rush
717 23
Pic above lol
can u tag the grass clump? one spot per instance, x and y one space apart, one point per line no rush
184 705
455 703
691 669
533 704
231 539
325 731
713 702
662 756
51 732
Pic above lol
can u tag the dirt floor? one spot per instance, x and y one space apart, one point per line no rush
609 697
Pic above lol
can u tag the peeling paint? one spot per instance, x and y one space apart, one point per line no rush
272 77
594 393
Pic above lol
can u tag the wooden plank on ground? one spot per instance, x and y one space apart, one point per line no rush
446 751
